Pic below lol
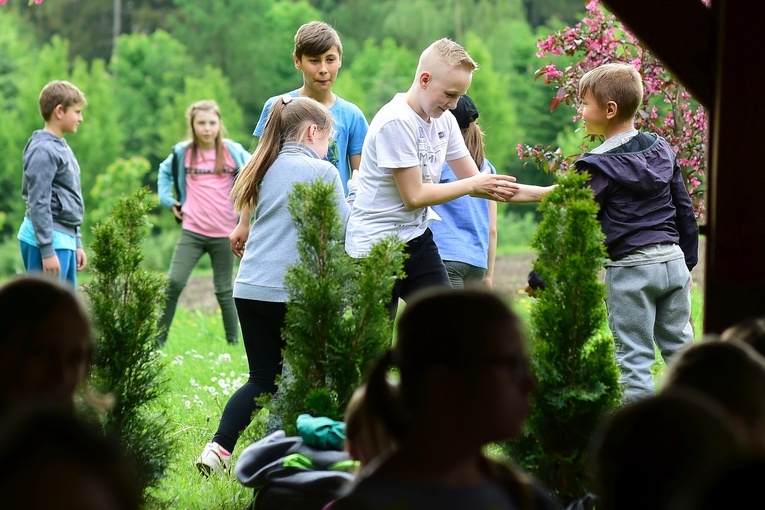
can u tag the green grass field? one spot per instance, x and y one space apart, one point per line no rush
203 371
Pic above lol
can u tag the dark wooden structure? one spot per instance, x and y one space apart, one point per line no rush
715 53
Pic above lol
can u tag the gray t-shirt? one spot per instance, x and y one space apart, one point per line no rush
272 243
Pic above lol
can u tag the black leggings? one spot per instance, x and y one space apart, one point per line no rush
262 323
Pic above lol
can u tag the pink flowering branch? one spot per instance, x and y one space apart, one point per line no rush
667 108
37 2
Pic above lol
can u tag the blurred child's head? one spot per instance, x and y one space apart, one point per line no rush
465 346
444 73
53 459
59 93
316 38
732 374
671 443
46 344
750 331
466 114
620 83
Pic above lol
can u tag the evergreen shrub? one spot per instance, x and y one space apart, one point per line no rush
571 356
337 319
125 300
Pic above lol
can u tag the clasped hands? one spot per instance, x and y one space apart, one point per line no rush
495 186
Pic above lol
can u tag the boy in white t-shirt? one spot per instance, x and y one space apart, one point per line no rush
404 150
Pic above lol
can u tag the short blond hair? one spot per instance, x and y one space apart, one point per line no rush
620 83
445 53
56 93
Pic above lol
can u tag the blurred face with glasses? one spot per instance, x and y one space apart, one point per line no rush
498 385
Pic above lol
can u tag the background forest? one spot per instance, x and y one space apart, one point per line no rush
140 64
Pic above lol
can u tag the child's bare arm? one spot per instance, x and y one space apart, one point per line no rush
416 194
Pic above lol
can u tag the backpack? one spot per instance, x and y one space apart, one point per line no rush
287 474
175 172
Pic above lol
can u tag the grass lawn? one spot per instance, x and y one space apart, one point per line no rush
203 371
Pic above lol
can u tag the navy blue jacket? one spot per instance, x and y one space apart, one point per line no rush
642 196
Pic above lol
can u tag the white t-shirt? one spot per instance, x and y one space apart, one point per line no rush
398 138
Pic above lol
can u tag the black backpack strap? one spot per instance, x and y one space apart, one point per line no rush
175 175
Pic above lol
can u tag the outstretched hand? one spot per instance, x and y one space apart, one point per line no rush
494 186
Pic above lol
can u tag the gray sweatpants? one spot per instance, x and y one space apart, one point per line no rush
647 304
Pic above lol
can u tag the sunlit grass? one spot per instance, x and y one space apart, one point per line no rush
203 371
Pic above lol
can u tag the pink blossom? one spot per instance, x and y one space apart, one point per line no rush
551 73
667 107
3 2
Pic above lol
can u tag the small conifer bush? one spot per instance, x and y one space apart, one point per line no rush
125 301
337 319
572 353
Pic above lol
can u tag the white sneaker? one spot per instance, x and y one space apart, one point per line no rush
214 459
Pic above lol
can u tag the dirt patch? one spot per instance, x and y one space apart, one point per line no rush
510 275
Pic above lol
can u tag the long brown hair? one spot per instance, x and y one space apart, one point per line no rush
287 120
474 140
207 105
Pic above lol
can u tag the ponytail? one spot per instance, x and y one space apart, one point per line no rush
285 123
383 398
474 141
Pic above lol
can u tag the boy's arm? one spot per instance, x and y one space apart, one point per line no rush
524 193
355 161
488 279
39 171
261 125
530 193
82 259
358 131
685 219
416 194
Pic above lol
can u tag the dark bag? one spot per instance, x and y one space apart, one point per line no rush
288 474
175 171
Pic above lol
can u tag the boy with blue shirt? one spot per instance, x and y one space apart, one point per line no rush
318 55
49 235
647 217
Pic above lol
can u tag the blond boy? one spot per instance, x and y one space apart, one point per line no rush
408 142
50 232
649 224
